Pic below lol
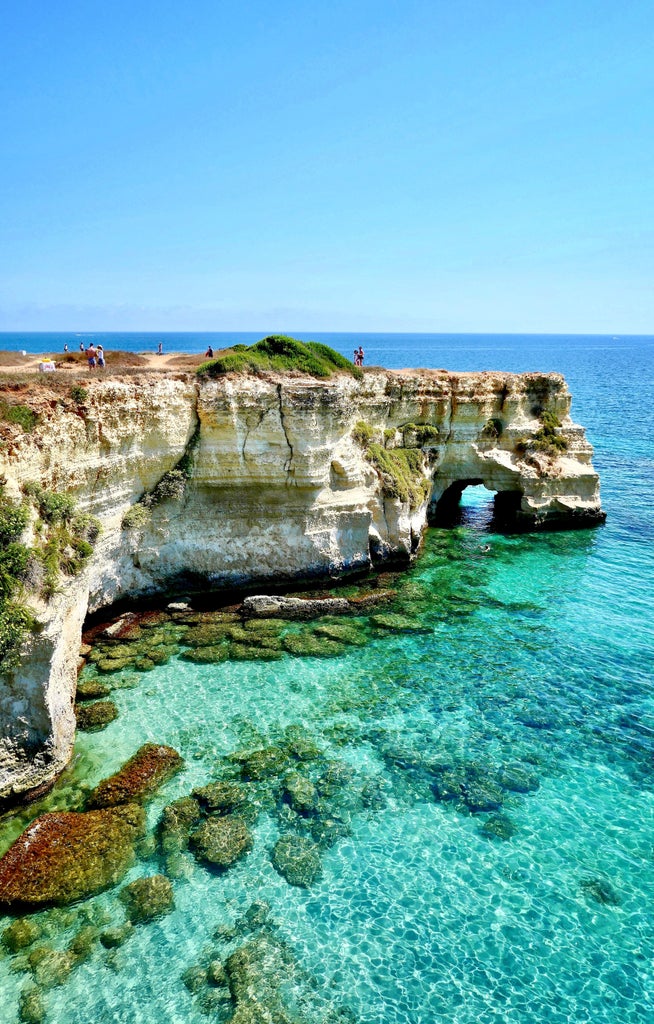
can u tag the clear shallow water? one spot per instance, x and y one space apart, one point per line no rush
538 652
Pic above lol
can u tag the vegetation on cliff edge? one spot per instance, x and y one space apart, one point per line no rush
401 470
278 352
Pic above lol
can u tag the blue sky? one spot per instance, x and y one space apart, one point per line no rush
470 166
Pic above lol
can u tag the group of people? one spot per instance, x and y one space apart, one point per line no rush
358 356
95 356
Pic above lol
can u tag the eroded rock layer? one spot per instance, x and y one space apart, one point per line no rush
282 478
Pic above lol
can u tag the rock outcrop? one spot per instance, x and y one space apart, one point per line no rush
277 484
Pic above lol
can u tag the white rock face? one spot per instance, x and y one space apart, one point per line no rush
278 490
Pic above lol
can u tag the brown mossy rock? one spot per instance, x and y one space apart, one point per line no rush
51 967
207 655
107 665
31 1008
343 632
221 841
307 645
112 938
248 652
96 716
269 762
83 942
20 934
67 856
91 689
220 796
297 860
148 898
207 634
396 623
256 972
300 792
176 822
147 770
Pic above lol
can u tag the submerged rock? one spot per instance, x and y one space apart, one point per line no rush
31 1008
297 860
300 792
20 934
248 652
220 796
343 632
147 770
307 645
51 967
112 938
177 820
206 655
96 716
600 890
265 607
266 763
498 826
91 689
194 978
67 856
148 898
396 623
222 841
517 779
482 796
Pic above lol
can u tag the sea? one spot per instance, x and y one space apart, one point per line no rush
518 665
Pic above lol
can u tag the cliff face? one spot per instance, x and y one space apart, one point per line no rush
275 487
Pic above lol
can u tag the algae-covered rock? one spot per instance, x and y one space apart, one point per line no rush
112 938
91 689
96 716
498 826
297 859
343 632
194 978
31 1007
206 655
396 623
301 744
248 652
300 792
66 856
449 784
108 665
601 891
220 796
148 898
20 934
83 942
176 822
264 627
517 779
266 763
306 645
51 967
482 796
221 841
147 770
256 973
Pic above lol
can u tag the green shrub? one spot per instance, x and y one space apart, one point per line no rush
79 394
278 352
13 520
86 527
363 433
425 432
492 429
53 507
15 622
21 415
402 473
171 486
14 559
136 517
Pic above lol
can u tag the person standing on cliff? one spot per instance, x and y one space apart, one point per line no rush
101 363
209 353
90 355
160 348
356 357
361 355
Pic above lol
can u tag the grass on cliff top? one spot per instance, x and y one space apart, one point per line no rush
279 353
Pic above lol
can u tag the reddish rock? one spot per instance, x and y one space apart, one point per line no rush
151 766
67 856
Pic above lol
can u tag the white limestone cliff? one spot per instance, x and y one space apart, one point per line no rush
277 490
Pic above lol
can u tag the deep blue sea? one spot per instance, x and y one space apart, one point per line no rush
531 673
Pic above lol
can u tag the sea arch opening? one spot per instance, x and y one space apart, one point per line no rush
476 503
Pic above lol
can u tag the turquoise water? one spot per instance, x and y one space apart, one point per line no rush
535 657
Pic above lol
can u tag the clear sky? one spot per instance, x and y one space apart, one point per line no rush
389 165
